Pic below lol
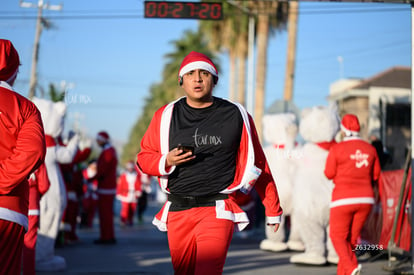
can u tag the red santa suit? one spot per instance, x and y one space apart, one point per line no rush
90 197
251 166
107 177
74 182
128 192
39 184
353 165
22 150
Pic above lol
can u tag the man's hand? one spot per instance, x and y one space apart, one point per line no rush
176 157
274 227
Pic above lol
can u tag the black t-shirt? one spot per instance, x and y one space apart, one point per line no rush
215 133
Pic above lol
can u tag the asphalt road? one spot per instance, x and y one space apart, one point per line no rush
142 249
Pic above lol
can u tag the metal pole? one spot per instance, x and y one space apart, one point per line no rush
250 67
35 56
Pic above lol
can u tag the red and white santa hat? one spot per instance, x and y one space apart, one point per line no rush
350 125
196 60
9 60
102 136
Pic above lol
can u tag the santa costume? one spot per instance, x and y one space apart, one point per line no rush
354 166
22 151
128 191
72 174
39 184
90 195
200 220
106 176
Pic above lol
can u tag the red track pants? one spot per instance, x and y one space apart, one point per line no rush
11 247
70 219
127 212
106 216
345 225
198 241
29 249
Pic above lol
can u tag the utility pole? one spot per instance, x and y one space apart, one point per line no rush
291 50
39 21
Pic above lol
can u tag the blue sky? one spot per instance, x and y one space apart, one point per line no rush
109 63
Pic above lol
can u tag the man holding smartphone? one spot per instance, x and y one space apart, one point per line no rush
201 211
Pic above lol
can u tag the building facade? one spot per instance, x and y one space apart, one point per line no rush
383 106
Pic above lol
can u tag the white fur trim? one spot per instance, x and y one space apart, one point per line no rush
251 173
240 218
274 220
6 85
348 132
165 145
161 166
101 138
197 65
34 212
348 201
162 224
13 216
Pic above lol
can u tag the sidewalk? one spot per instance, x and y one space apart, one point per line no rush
143 249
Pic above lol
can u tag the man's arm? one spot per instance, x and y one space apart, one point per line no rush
27 155
265 184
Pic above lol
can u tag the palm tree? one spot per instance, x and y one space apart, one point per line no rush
271 15
230 35
167 90
56 95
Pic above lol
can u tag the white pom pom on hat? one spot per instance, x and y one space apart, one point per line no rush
102 136
350 125
195 60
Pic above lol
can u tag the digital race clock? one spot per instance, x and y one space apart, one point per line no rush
189 10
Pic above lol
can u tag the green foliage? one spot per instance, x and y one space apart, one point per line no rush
166 90
55 94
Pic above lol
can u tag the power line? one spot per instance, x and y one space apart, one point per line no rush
119 14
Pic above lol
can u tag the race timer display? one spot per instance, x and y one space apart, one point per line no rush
185 10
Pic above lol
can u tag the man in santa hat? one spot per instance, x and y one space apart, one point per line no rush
106 176
22 151
203 149
353 165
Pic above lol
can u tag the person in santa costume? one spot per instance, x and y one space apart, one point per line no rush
221 154
22 151
39 183
72 175
90 197
128 191
106 176
146 190
354 167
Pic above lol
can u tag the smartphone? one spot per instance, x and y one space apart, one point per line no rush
186 148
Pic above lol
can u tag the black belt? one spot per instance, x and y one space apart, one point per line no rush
179 202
